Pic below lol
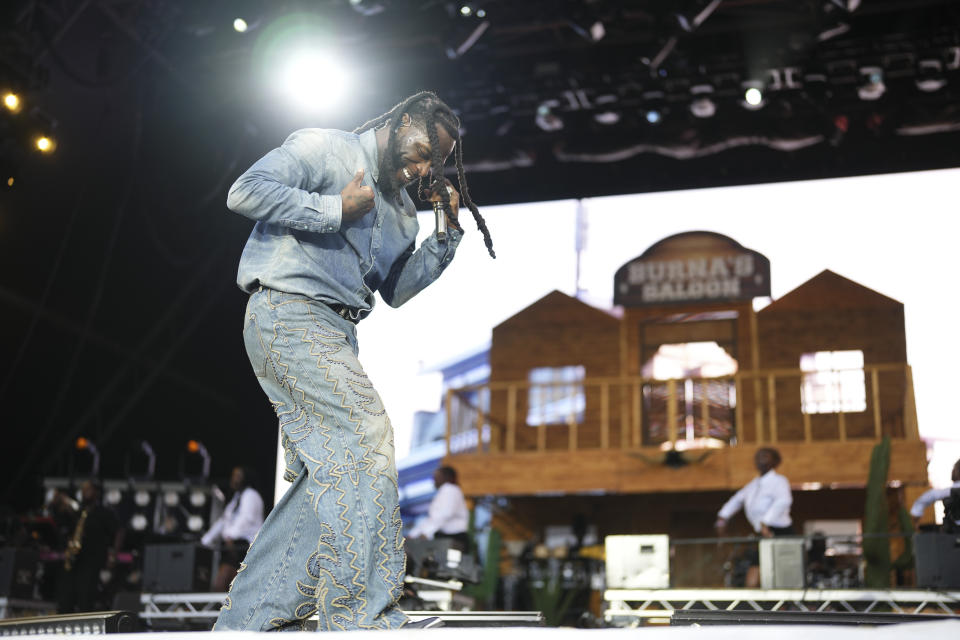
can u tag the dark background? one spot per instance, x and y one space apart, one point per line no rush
121 319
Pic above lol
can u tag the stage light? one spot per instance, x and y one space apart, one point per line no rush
871 85
466 10
171 498
653 116
702 105
314 80
12 102
753 97
138 522
930 75
240 25
194 523
481 13
546 119
10 181
367 7
141 498
198 498
112 496
46 144
193 446
607 117
81 443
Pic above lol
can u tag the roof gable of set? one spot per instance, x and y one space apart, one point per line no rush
830 291
558 308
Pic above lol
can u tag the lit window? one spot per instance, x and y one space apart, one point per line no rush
833 382
556 395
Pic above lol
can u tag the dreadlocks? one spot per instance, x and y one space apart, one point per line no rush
426 107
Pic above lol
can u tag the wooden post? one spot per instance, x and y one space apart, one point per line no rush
704 407
479 422
449 419
637 412
807 429
875 383
573 430
672 410
605 415
842 425
772 405
511 418
755 362
911 429
738 394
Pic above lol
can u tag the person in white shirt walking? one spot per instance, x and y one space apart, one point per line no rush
448 516
951 518
236 528
765 501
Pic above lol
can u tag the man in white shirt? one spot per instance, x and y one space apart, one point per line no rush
236 528
448 516
765 501
951 521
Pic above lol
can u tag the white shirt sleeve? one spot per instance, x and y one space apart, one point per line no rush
925 500
213 535
443 507
247 518
734 504
779 510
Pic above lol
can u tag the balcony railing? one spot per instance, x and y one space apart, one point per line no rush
750 407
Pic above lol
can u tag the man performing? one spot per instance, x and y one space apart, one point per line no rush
334 224
765 501
233 531
448 516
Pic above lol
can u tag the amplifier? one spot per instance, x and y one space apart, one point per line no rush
638 562
938 560
18 573
177 568
781 563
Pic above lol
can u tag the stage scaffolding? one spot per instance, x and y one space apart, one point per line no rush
625 607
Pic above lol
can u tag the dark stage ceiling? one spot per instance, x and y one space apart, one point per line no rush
118 256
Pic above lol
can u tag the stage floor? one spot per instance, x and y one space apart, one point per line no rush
933 630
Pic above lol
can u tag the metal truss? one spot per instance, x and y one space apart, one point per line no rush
181 606
624 605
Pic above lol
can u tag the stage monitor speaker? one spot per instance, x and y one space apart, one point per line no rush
177 568
638 562
95 622
18 572
938 560
781 563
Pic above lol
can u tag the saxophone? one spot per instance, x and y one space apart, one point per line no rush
75 544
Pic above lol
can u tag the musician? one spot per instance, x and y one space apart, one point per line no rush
89 548
334 224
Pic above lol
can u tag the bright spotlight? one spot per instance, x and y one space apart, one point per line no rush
314 81
466 10
239 25
653 116
11 101
753 96
47 145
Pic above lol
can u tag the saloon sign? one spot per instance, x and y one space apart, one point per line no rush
697 266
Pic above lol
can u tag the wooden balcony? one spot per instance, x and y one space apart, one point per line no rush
628 435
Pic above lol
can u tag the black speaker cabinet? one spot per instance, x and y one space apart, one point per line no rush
177 568
938 560
18 573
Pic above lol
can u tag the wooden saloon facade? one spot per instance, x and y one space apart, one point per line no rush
645 419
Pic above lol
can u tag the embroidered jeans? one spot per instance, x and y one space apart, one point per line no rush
332 545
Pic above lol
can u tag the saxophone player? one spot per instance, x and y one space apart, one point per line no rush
88 547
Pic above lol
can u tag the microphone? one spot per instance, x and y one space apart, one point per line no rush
441 218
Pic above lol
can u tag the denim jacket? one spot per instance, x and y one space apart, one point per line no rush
300 244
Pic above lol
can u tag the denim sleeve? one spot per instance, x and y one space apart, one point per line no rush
414 270
280 187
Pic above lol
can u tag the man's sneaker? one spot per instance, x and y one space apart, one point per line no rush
424 623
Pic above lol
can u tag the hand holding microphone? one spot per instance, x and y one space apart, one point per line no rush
440 215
